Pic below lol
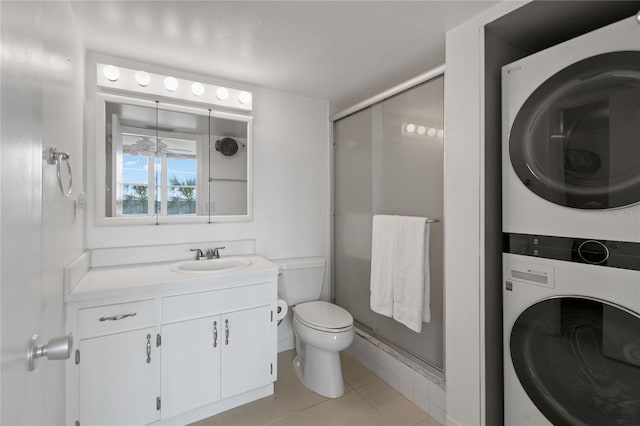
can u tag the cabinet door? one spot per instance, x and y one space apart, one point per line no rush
117 384
190 364
249 348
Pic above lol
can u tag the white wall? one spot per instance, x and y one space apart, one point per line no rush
291 178
42 95
464 213
462 226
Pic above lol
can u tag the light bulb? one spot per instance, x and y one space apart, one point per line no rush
111 73
222 93
410 128
171 84
421 130
197 89
440 133
244 97
431 131
143 78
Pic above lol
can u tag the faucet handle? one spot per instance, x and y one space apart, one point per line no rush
216 253
199 254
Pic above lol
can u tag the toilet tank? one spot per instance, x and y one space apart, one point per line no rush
300 279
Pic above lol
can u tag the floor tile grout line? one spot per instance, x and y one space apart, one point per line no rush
376 378
376 410
313 405
297 411
426 415
279 418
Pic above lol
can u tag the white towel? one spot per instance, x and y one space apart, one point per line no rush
426 308
382 264
408 277
399 269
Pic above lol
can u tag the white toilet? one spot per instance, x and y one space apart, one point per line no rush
321 329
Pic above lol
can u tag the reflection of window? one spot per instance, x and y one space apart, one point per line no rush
181 188
162 159
135 187
156 177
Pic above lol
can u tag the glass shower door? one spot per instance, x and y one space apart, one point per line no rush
389 160
353 209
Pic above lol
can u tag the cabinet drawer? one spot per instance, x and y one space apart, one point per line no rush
115 318
213 302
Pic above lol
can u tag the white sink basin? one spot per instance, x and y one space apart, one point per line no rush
222 264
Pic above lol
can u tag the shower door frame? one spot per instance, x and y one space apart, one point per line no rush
432 74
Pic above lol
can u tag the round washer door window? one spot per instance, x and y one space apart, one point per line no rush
575 140
578 360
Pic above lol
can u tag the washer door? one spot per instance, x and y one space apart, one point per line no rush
578 359
575 141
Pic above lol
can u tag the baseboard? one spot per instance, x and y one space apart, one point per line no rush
286 344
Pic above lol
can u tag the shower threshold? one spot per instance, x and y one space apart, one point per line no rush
426 369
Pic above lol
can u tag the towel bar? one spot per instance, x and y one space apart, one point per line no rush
428 220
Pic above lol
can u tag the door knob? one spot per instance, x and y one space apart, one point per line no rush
56 348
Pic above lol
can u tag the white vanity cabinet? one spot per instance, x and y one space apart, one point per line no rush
205 357
186 352
117 364
117 385
190 364
216 357
244 364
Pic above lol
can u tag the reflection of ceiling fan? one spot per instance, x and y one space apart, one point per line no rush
146 146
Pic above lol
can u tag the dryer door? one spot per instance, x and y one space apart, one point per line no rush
578 359
576 139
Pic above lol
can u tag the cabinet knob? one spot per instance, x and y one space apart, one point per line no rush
215 334
226 332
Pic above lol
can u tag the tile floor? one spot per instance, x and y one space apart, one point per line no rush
367 401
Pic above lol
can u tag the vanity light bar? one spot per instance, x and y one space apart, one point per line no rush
119 78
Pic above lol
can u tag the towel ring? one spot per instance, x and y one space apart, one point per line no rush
58 157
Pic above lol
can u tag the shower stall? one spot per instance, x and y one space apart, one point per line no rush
388 159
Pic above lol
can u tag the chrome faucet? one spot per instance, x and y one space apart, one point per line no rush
214 253
199 254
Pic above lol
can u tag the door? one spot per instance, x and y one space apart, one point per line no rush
37 96
574 141
119 379
190 364
578 360
249 343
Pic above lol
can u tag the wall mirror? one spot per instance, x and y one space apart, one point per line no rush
169 163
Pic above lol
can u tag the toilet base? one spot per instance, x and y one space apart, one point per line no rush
317 362
324 372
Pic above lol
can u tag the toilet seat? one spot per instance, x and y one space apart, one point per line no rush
323 316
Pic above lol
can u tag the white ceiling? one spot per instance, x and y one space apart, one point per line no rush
343 51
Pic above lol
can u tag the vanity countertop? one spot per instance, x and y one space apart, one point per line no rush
150 278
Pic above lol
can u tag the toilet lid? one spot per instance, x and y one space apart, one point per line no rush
324 315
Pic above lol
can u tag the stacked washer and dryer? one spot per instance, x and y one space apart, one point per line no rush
571 224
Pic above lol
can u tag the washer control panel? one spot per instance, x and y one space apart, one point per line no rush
614 254
593 251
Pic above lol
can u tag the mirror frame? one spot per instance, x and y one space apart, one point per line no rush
100 163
